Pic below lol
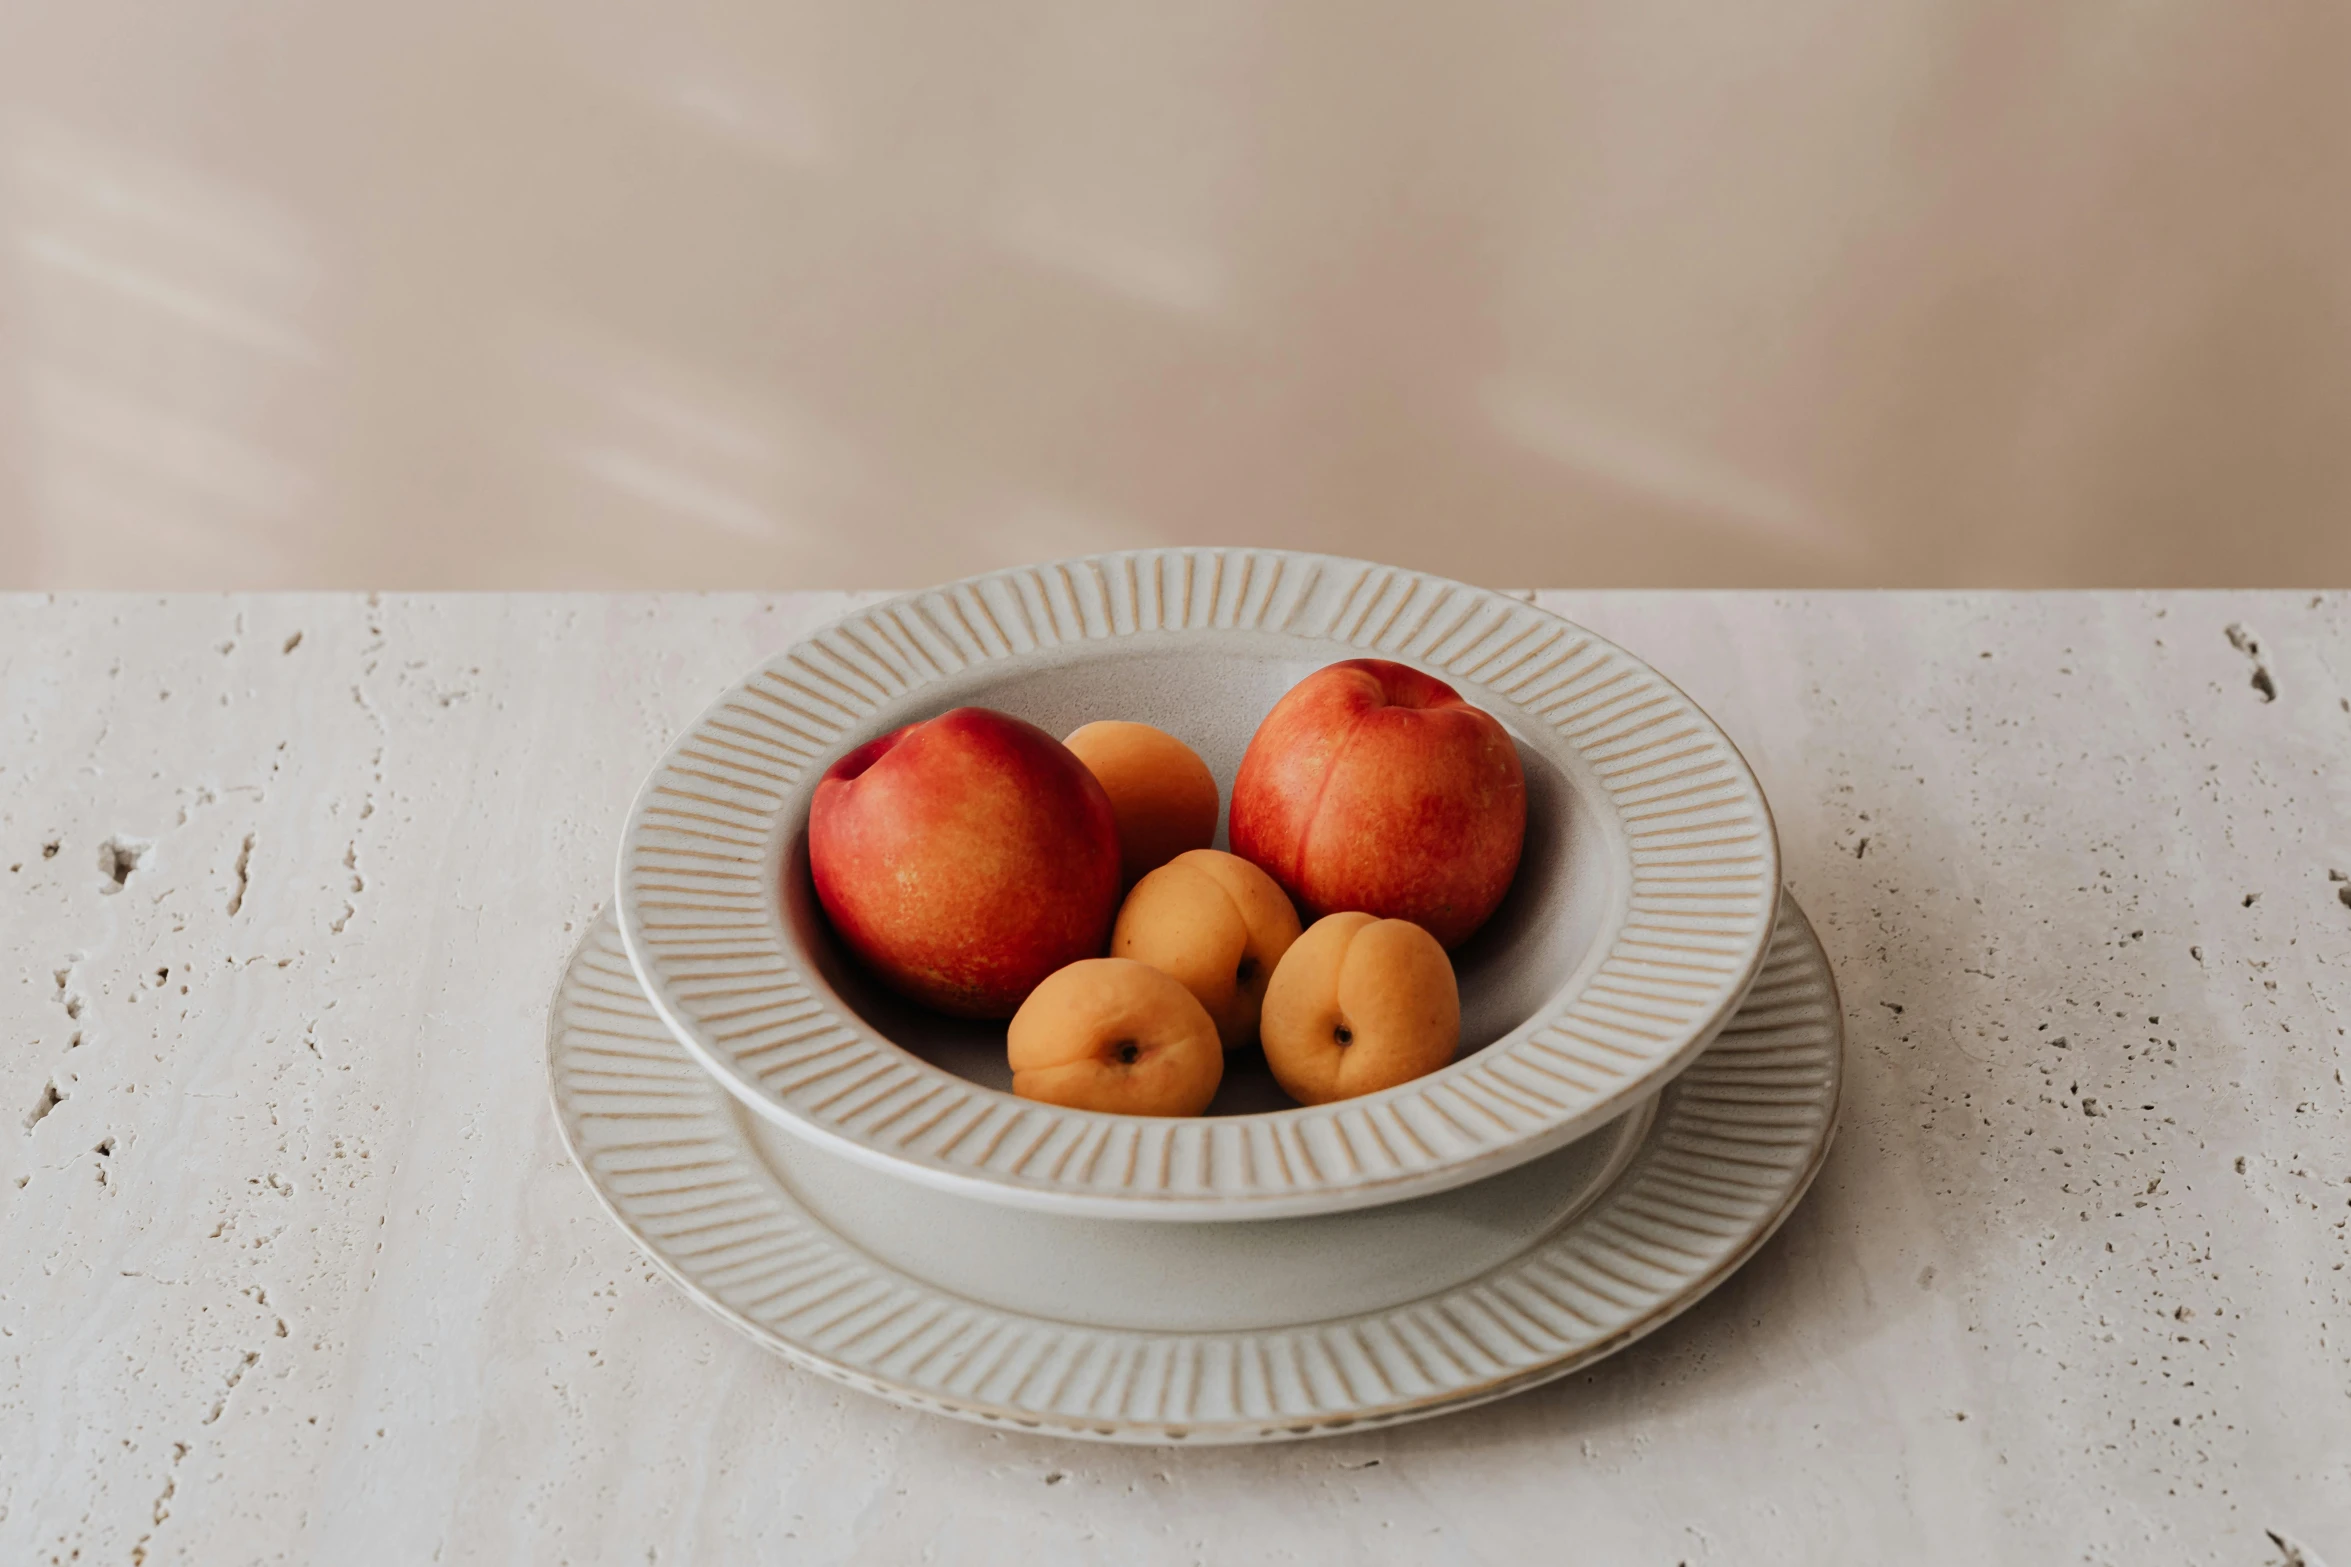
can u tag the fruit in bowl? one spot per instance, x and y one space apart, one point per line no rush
1374 788
1113 1034
1216 923
974 864
1359 1004
1161 793
965 858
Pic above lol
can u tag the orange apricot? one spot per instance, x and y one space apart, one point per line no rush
1218 924
1161 793
1113 1034
1359 1004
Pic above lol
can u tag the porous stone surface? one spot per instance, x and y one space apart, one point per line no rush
293 1267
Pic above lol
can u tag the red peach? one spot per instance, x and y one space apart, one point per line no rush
1372 787
965 858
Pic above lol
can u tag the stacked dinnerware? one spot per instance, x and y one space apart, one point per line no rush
1646 1084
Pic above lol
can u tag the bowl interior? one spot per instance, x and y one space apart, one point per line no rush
1211 694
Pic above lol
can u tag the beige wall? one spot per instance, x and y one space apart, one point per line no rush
752 292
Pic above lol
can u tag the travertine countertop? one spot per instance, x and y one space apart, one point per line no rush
293 1268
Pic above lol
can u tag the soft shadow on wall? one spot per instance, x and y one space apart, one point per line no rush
781 295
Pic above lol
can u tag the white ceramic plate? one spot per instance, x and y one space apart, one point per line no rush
1640 914
1208 1332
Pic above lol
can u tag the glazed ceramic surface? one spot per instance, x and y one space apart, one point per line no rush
1640 914
1207 1332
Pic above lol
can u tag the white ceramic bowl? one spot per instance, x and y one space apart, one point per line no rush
1640 916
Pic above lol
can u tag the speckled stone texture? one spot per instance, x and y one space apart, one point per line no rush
292 1267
